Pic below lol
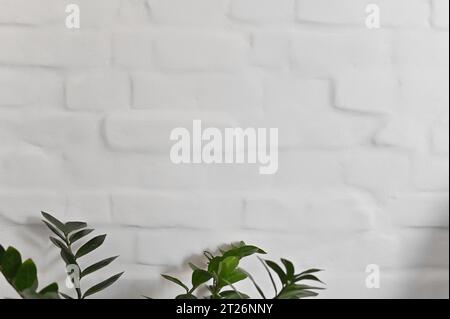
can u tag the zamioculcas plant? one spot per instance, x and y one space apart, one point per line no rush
22 276
223 271
69 234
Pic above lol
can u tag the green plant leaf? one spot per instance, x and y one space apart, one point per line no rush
52 288
91 245
185 296
243 251
297 292
277 269
26 275
11 262
99 265
213 265
58 243
65 296
74 226
231 278
290 270
80 234
2 252
54 230
200 277
228 265
55 222
307 277
68 258
309 271
176 281
102 285
231 294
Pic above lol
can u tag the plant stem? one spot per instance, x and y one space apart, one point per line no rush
77 289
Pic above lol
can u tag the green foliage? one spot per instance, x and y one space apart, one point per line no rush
67 234
223 271
22 276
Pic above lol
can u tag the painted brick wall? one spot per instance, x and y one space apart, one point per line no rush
85 117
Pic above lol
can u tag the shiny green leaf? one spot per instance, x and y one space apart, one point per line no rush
52 288
175 281
26 275
54 230
91 245
55 222
99 265
277 269
200 277
11 262
74 226
102 285
290 271
80 234
185 296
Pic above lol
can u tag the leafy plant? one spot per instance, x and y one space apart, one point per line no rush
290 282
223 271
69 234
22 276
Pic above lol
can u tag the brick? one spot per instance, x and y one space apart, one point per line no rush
263 10
373 91
43 88
30 168
329 212
310 170
54 48
56 130
418 210
270 49
431 172
156 91
333 131
149 131
200 51
351 49
25 207
382 172
403 131
100 90
440 13
292 93
193 210
133 49
194 12
350 12
432 53
225 93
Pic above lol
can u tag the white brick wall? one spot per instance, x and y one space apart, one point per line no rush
85 117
